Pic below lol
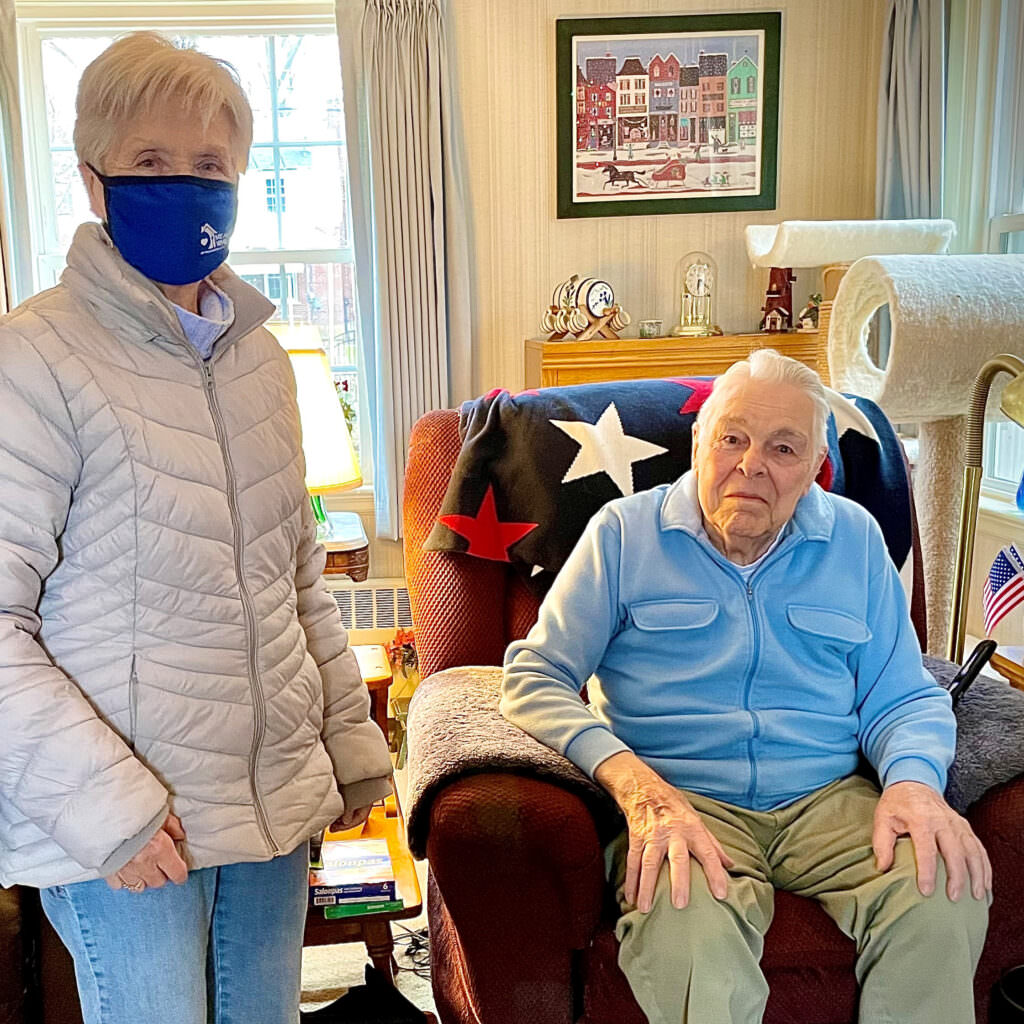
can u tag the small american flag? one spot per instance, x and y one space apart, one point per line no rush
1004 588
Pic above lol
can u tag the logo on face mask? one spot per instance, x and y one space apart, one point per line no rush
211 240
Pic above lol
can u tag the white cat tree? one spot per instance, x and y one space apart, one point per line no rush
948 314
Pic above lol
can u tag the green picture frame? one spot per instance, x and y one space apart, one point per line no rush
667 113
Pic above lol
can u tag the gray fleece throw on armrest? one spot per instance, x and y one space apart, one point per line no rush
989 736
456 729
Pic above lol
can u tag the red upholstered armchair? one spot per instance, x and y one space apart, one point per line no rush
521 923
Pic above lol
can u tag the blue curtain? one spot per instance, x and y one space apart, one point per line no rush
911 110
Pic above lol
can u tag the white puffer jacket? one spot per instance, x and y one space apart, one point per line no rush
166 642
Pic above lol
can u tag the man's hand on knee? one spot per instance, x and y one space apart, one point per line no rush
917 810
662 825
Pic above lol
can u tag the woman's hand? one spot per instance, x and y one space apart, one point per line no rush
156 863
353 816
662 825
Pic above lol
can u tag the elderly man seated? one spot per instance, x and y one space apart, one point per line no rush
745 638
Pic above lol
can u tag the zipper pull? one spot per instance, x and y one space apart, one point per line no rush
207 374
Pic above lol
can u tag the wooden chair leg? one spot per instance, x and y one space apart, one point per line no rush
380 944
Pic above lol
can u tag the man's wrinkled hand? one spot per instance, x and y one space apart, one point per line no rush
353 816
662 826
916 810
157 863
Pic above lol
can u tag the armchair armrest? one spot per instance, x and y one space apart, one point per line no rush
989 736
456 730
514 834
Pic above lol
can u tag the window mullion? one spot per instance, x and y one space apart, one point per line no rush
41 192
275 137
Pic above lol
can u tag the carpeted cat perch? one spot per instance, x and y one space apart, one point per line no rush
949 314
834 245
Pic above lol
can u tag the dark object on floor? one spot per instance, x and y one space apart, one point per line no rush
376 1002
1008 998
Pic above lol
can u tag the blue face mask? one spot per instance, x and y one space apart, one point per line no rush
173 228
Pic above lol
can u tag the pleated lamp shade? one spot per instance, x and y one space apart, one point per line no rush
331 463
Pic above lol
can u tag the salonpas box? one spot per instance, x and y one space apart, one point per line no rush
352 871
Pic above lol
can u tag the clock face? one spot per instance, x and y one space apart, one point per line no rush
700 279
599 297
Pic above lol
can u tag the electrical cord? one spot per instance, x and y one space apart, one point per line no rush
414 947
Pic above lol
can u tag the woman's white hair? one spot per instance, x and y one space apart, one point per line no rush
768 365
140 70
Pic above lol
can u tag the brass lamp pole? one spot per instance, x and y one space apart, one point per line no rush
1012 405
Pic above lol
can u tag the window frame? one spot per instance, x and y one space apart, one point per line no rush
38 20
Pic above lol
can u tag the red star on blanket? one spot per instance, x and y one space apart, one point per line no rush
488 537
699 391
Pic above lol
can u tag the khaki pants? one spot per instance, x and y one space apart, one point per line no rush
699 965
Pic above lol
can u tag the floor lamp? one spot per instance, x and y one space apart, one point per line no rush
1012 405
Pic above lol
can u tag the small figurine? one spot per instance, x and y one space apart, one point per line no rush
808 317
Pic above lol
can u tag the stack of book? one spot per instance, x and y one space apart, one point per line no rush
352 877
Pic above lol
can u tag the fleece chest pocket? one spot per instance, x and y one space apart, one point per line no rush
655 616
832 628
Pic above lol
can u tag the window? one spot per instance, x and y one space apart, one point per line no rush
734 86
292 244
1000 194
275 195
751 84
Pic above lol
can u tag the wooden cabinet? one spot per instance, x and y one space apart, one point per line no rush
551 363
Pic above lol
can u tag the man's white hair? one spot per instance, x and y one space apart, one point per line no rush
772 367
141 69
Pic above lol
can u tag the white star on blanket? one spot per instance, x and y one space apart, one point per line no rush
604 448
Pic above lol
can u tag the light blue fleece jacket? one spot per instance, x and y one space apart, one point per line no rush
756 692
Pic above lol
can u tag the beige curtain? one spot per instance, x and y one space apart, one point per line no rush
409 213
15 259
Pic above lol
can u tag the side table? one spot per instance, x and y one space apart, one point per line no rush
348 550
374 930
376 672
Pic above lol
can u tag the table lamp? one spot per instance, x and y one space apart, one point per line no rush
1012 405
331 463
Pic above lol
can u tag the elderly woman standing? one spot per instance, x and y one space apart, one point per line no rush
178 700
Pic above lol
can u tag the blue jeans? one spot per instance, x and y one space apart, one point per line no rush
224 948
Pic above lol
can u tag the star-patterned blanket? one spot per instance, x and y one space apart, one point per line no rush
534 467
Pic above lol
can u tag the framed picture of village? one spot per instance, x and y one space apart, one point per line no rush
667 114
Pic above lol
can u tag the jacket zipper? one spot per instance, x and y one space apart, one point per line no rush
749 685
133 698
748 588
259 706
